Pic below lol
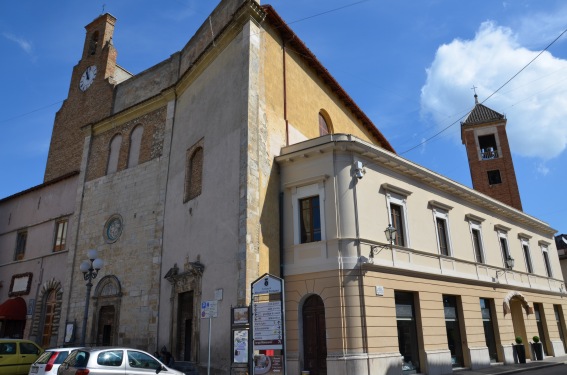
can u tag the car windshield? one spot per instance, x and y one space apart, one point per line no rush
61 356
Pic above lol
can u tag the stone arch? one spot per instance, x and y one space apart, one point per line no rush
107 301
39 313
519 296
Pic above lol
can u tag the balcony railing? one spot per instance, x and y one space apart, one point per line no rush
489 153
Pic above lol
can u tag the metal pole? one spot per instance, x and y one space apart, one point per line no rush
209 360
86 316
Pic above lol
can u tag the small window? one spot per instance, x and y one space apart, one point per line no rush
8 348
21 240
135 143
487 144
60 235
310 219
397 217
113 154
477 243
324 127
142 360
194 173
504 247
527 256
494 177
546 261
110 358
442 236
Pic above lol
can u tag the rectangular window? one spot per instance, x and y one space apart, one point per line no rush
60 235
489 335
487 144
442 236
494 177
558 319
527 256
541 324
504 247
477 245
546 261
453 329
397 217
407 332
21 240
310 219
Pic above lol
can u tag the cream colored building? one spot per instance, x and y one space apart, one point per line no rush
205 171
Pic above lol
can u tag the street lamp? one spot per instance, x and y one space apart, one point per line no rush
90 269
390 233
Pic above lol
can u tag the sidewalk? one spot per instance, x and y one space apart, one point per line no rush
498 369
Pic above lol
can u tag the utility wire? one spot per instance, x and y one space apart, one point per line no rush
491 95
30 112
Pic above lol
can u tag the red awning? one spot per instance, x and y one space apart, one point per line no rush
13 309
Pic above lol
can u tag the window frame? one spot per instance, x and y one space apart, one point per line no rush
398 196
440 211
20 250
526 251
310 235
475 225
301 192
505 253
63 245
189 192
546 261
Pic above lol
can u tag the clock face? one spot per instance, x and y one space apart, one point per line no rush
87 78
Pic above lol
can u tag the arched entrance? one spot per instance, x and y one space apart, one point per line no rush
515 303
108 298
314 336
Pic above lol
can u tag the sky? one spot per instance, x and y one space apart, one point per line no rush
410 65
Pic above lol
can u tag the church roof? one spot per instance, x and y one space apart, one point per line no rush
481 114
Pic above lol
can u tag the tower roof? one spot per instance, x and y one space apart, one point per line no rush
481 114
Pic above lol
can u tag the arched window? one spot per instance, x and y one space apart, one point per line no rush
135 143
324 124
113 154
93 43
50 303
194 174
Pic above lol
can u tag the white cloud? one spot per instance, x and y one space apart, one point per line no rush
535 102
542 169
24 44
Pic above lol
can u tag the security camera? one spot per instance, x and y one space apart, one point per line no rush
358 170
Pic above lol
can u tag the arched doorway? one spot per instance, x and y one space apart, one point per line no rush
515 303
314 336
108 298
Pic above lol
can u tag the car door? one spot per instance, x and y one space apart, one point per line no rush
141 363
9 358
29 353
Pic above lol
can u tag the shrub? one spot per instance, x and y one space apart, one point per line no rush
519 340
536 339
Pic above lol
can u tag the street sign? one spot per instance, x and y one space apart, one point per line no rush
208 309
267 285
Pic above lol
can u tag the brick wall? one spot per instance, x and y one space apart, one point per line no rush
150 148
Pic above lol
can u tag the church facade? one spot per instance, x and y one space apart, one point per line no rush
241 155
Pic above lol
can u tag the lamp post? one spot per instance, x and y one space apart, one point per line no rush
90 269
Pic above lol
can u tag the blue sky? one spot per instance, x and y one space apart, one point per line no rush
410 65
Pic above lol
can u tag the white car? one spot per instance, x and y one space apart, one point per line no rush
49 361
110 360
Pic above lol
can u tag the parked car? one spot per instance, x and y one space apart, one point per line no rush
108 360
16 356
49 361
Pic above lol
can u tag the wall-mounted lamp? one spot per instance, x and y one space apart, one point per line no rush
510 262
390 233
359 170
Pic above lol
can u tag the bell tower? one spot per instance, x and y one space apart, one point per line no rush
490 161
89 98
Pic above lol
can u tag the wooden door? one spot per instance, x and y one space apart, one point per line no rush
314 336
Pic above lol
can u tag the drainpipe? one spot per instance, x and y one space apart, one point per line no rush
285 96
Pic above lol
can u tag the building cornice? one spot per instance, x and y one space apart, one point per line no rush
387 159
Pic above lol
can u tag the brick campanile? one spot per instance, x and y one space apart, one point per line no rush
89 98
490 161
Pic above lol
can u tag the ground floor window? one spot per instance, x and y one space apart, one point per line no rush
453 330
488 325
558 318
407 332
538 310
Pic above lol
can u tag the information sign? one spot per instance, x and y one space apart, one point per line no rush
208 309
